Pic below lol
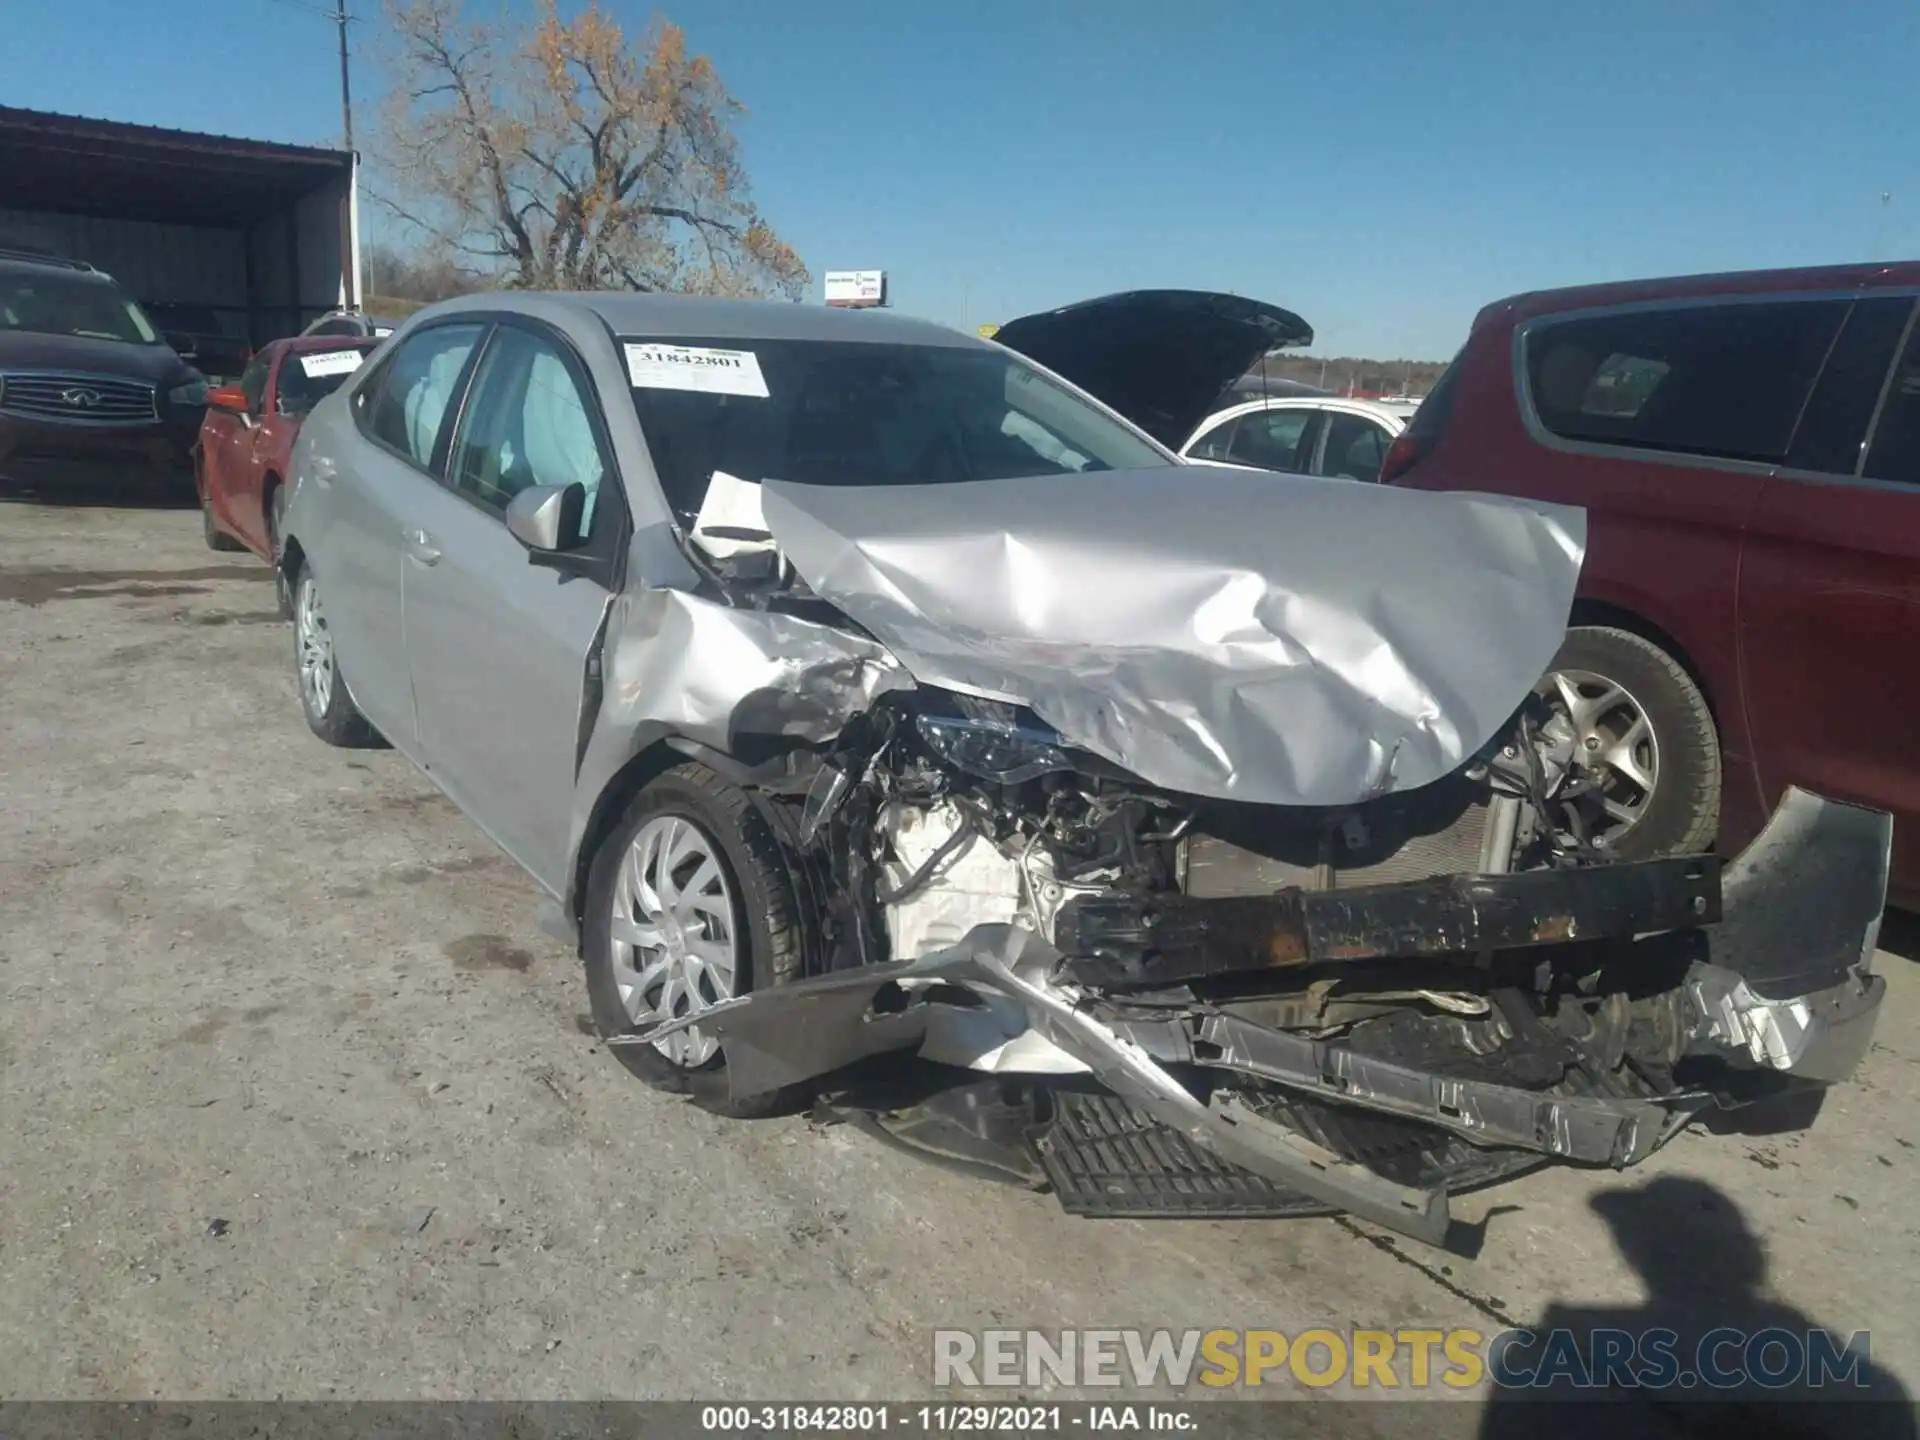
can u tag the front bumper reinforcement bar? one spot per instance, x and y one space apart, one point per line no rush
1785 987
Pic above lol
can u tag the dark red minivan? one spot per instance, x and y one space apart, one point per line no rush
1747 449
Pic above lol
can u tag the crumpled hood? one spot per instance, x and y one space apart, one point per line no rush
1276 639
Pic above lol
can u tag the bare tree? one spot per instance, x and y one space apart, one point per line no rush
421 276
562 157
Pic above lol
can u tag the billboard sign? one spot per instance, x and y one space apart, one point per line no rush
856 289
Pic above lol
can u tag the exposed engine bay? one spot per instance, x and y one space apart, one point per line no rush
1371 1003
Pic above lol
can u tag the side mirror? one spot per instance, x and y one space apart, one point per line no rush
546 518
185 346
228 397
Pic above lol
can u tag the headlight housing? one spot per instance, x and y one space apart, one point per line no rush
193 392
993 741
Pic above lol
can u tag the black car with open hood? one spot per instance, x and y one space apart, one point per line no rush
1159 357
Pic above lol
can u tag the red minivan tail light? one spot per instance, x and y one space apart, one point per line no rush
1402 456
1423 431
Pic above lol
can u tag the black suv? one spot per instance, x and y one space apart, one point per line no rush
90 390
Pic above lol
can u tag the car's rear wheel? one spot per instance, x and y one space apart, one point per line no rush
216 538
1642 733
330 711
688 904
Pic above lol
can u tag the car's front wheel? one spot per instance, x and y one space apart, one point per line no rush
688 905
330 711
1639 730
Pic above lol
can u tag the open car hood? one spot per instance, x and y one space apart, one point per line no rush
1159 357
1278 639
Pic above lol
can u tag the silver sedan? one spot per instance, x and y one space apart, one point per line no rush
1187 838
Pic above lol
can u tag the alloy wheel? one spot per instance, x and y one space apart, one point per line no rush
1613 745
675 946
315 649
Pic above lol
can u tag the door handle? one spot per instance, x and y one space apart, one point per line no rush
420 547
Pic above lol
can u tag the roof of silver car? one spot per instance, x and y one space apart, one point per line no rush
697 316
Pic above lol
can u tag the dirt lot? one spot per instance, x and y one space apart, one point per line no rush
299 1103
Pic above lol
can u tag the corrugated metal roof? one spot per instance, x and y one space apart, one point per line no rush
161 134
78 165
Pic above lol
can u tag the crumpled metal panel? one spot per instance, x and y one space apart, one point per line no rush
674 663
1275 639
712 673
1791 984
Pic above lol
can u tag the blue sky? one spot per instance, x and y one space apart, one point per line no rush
1383 169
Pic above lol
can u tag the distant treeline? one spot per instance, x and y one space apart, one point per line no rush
1344 374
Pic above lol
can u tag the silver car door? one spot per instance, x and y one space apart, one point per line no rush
383 472
498 647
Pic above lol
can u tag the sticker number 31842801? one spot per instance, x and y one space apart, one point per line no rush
695 367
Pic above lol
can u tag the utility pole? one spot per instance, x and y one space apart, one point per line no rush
340 18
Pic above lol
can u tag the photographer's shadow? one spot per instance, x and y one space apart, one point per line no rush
1704 1270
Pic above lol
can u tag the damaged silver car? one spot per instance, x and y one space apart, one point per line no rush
898 726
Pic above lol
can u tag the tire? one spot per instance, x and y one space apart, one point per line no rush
763 929
1680 814
276 518
216 538
330 711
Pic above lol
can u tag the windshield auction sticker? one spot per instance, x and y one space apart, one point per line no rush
693 367
331 362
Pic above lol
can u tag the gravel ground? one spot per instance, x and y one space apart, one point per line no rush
299 1103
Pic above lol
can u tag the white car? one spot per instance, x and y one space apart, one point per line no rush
1306 435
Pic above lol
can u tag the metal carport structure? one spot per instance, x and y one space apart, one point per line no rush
264 234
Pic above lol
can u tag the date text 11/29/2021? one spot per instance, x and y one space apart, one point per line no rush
947 1419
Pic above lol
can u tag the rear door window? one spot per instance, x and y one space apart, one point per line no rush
1354 449
1721 380
1274 440
416 391
1894 451
1213 445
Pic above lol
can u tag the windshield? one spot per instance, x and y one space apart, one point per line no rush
309 376
854 413
51 303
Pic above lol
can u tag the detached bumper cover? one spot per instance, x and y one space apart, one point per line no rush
1785 988
1789 983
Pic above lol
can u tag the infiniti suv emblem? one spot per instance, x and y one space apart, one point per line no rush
81 399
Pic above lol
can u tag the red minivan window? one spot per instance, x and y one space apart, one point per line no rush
1726 380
